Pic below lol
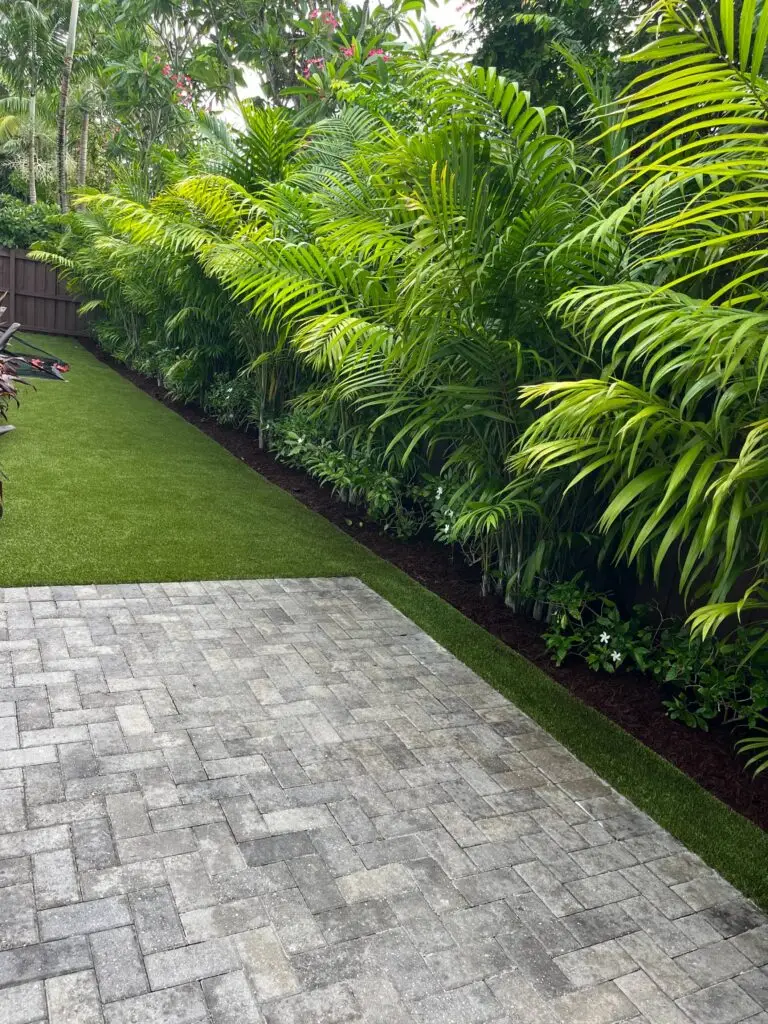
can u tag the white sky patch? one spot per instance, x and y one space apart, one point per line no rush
451 14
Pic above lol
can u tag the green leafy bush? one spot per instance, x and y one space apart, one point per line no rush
21 224
702 678
233 401
357 476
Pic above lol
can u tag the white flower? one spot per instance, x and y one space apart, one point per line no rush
299 440
615 656
605 637
439 493
446 528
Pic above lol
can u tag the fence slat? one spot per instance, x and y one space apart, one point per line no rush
12 287
38 299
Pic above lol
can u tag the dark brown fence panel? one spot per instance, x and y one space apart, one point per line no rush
37 299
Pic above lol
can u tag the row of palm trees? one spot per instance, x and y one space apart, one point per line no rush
561 338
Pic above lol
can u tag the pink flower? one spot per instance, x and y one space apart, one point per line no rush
378 52
328 18
347 51
310 62
314 13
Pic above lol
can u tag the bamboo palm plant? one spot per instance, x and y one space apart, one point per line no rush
671 427
407 271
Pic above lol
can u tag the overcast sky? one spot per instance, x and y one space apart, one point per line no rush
450 14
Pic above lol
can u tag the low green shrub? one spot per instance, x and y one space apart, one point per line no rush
702 679
22 224
357 476
233 401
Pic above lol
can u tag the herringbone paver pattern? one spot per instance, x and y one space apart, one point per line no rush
280 801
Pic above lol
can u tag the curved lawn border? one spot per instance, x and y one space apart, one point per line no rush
107 485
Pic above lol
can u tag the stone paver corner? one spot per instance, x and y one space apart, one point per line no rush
280 801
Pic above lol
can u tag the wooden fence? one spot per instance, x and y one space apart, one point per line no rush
36 298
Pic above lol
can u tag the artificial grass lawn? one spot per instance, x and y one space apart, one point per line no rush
106 485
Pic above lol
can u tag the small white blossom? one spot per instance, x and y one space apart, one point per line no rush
446 528
605 637
439 493
615 656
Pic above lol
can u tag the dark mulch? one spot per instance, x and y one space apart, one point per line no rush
630 700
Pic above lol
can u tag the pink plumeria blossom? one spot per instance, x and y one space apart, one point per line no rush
310 63
378 52
347 51
314 13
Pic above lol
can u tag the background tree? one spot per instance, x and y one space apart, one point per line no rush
522 39
28 60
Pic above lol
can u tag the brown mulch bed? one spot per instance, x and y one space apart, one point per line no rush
630 700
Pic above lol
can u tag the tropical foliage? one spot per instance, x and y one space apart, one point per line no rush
91 86
531 40
22 224
548 345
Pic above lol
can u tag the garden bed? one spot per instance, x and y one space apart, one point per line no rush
630 700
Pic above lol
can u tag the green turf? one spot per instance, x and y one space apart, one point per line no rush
107 485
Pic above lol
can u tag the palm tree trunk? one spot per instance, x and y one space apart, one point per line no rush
61 152
82 156
31 154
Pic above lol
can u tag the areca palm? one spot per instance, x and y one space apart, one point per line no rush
412 278
565 353
407 270
672 429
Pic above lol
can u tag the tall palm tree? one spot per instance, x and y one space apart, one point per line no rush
28 61
66 74
86 102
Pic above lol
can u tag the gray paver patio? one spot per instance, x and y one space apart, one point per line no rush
280 801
